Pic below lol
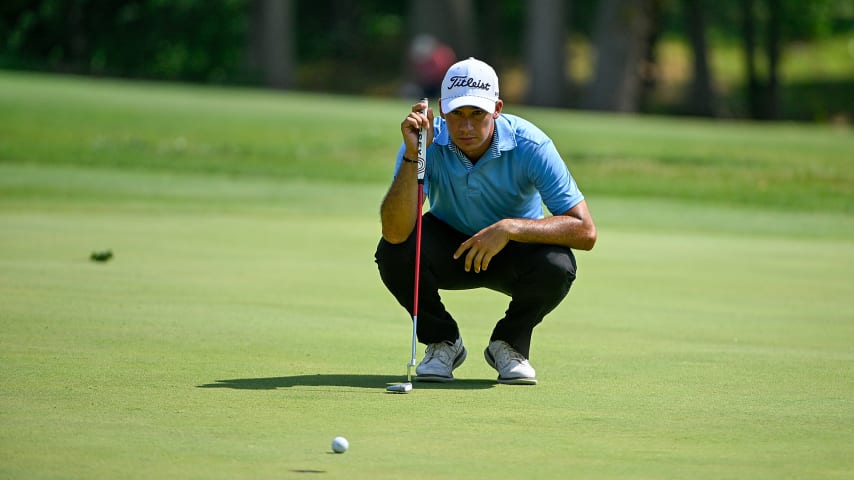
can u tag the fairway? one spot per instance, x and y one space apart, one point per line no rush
241 324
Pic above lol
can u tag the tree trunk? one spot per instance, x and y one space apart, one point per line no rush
772 93
702 99
78 40
622 28
546 52
754 102
272 39
648 68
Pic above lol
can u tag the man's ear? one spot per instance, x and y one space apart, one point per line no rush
499 104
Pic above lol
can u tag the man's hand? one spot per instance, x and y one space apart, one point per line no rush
572 229
484 245
412 125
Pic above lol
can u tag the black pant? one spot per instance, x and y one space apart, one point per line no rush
537 278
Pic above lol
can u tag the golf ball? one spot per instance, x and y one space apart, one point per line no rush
340 444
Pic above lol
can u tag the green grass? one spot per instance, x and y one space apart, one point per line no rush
347 139
241 324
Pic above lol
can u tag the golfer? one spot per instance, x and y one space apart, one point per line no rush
488 175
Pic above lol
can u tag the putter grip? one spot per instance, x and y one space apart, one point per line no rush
422 140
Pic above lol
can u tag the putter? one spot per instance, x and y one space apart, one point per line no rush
406 387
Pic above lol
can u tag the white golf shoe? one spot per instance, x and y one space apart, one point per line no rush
513 368
440 360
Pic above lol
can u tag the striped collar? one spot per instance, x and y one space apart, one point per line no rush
492 152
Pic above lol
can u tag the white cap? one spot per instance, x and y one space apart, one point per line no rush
469 83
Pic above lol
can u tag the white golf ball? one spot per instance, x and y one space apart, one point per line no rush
340 444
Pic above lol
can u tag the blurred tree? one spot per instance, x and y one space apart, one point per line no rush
621 39
773 47
649 68
545 52
352 46
701 97
359 46
763 95
192 40
492 16
271 41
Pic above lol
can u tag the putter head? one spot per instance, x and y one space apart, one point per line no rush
405 387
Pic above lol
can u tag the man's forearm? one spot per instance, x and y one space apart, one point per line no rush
568 230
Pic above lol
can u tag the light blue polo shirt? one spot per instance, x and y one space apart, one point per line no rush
520 172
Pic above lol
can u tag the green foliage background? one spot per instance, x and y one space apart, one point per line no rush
358 47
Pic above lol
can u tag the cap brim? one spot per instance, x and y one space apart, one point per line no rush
451 104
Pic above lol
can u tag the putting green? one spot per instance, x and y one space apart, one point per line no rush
237 342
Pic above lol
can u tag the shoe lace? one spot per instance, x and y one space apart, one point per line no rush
442 352
506 355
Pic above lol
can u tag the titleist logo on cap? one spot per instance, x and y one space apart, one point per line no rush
467 82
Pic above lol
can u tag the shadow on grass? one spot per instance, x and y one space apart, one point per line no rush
379 382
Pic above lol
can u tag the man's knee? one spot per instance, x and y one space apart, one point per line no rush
395 262
392 254
553 271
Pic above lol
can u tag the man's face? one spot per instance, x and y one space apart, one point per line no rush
471 129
